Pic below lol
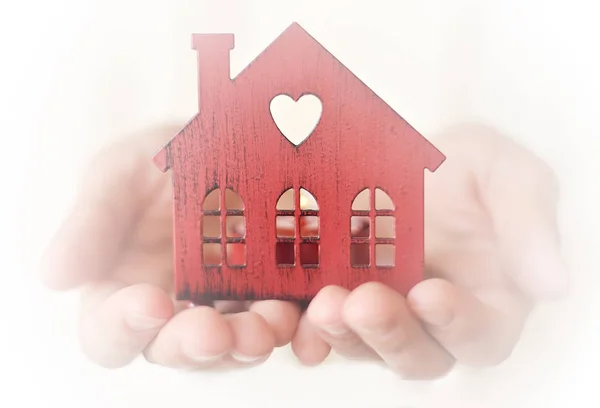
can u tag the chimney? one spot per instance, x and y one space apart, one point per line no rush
213 63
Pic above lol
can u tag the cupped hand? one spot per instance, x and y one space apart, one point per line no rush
117 244
491 252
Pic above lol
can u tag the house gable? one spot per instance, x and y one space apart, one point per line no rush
285 47
284 50
162 158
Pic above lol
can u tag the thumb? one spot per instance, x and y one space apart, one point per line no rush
115 188
522 197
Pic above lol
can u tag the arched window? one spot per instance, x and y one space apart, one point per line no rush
223 211
298 229
370 210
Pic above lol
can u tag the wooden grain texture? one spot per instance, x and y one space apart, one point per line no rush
233 143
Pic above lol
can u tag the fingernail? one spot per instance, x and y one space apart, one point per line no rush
142 322
246 359
207 359
435 316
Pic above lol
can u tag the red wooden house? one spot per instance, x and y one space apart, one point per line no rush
231 167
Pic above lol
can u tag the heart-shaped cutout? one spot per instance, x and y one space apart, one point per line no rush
296 120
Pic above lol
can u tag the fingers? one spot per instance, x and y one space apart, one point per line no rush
196 337
325 315
420 337
373 321
521 193
203 338
282 318
254 340
308 345
475 333
118 323
381 317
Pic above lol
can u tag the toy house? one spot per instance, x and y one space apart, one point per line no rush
257 216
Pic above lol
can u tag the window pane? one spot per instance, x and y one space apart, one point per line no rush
285 253
362 201
211 226
309 254
233 201
385 227
286 201
308 201
236 254
359 254
211 254
385 255
360 227
286 226
382 200
212 202
309 226
236 226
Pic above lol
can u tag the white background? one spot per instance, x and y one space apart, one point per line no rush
76 74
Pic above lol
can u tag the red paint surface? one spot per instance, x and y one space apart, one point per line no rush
360 142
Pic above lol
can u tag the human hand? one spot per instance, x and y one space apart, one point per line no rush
491 252
117 241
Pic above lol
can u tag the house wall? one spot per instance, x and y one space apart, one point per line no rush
359 142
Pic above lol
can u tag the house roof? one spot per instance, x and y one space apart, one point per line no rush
295 31
162 157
